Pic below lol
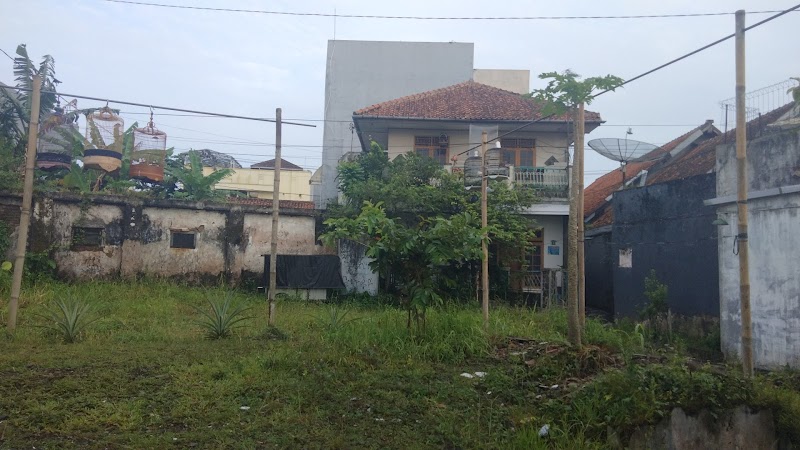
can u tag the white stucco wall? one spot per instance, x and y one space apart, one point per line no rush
774 249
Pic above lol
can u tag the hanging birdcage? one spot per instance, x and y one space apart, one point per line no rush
58 134
494 163
149 153
472 171
104 130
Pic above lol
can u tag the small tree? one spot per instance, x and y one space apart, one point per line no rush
419 223
195 185
566 93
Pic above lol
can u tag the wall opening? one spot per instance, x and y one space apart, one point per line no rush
87 237
182 239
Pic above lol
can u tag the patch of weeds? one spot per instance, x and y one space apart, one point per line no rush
780 392
223 317
273 334
335 317
68 317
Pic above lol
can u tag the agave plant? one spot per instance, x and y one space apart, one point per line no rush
69 317
223 317
336 318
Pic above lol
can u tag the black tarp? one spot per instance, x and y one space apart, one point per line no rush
306 272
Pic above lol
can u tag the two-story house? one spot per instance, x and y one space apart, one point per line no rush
445 124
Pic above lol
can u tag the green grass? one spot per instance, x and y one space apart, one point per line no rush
144 376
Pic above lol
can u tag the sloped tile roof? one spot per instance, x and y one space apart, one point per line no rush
466 101
596 193
270 164
702 159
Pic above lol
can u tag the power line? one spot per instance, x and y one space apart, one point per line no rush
694 52
377 16
167 108
9 56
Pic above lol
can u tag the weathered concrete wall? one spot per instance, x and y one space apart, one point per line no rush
362 73
666 227
356 273
136 236
774 246
739 428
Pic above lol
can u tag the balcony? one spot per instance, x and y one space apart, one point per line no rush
548 182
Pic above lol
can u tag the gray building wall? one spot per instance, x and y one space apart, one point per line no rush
774 248
363 73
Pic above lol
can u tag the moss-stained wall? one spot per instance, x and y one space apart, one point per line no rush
137 236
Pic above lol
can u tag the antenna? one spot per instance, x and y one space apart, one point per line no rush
622 150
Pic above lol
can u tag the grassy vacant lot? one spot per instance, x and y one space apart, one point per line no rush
143 376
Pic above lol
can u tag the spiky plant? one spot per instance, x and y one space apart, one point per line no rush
68 317
223 316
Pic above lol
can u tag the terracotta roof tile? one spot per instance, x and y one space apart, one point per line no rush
267 203
595 195
702 159
465 101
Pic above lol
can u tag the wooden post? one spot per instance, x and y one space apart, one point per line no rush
273 246
579 161
741 200
485 238
27 199
573 311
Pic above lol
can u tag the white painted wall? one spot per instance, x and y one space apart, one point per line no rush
774 250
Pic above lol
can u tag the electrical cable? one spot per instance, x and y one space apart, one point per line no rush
376 16
694 52
167 108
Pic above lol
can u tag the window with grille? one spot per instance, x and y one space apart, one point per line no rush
435 147
87 237
182 239
519 152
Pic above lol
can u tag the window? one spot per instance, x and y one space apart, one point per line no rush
519 152
435 147
91 237
182 239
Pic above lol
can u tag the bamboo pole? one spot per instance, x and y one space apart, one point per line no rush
27 199
573 312
485 237
273 246
741 200
579 161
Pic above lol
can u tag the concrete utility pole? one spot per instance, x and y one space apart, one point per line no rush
273 246
27 199
485 238
741 200
579 161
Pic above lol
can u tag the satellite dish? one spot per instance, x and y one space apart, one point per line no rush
622 150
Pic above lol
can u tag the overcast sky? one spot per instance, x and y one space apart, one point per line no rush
249 64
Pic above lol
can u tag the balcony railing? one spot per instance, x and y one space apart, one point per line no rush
548 181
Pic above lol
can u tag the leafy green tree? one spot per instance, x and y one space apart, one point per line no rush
15 105
420 224
192 184
567 93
